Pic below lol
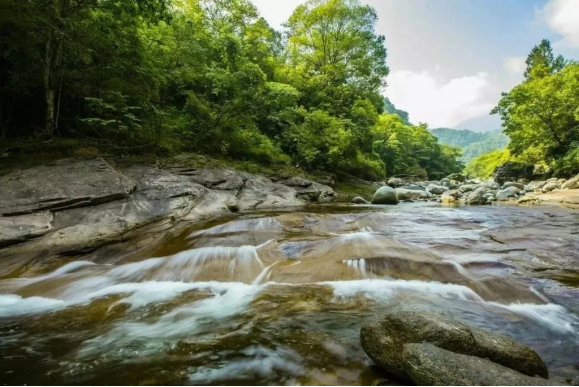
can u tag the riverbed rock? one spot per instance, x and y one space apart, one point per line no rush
551 186
17 229
477 197
450 197
63 184
396 182
409 194
468 187
507 193
385 195
529 200
359 200
572 183
383 342
436 189
429 365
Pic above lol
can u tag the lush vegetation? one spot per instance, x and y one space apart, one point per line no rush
484 165
210 76
473 144
391 109
541 115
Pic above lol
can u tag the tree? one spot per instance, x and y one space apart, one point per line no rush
541 62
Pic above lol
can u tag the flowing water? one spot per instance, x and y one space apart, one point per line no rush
279 298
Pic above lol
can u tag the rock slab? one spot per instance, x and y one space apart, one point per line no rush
383 342
428 365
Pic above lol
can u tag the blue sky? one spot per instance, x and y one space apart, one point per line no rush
450 59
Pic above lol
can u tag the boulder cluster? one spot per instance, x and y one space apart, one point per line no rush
432 349
456 189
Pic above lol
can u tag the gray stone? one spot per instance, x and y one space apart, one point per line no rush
407 194
68 183
385 195
477 197
428 365
572 183
383 342
436 189
17 229
396 182
535 185
551 186
468 187
507 193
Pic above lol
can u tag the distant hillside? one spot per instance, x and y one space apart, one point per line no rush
391 109
473 144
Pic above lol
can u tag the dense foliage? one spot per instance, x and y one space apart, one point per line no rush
210 76
484 165
541 115
473 144
391 109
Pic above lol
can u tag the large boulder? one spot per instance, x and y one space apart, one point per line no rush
68 183
383 342
428 365
477 197
436 189
572 183
385 195
513 171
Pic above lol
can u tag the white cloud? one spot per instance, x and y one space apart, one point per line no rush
515 64
438 103
562 16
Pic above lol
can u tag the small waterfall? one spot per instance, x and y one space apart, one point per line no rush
358 265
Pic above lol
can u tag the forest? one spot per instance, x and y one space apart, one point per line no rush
210 76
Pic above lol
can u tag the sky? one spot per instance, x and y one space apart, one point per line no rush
451 59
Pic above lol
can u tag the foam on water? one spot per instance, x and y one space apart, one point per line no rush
379 289
227 299
551 316
258 362
13 305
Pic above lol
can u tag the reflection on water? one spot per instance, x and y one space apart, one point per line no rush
280 297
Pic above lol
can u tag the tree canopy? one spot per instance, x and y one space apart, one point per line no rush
210 76
541 115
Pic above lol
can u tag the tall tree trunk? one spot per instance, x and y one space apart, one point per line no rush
48 86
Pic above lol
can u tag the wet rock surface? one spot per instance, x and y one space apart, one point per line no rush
384 342
64 184
429 365
75 206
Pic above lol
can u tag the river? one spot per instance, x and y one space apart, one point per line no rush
279 297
